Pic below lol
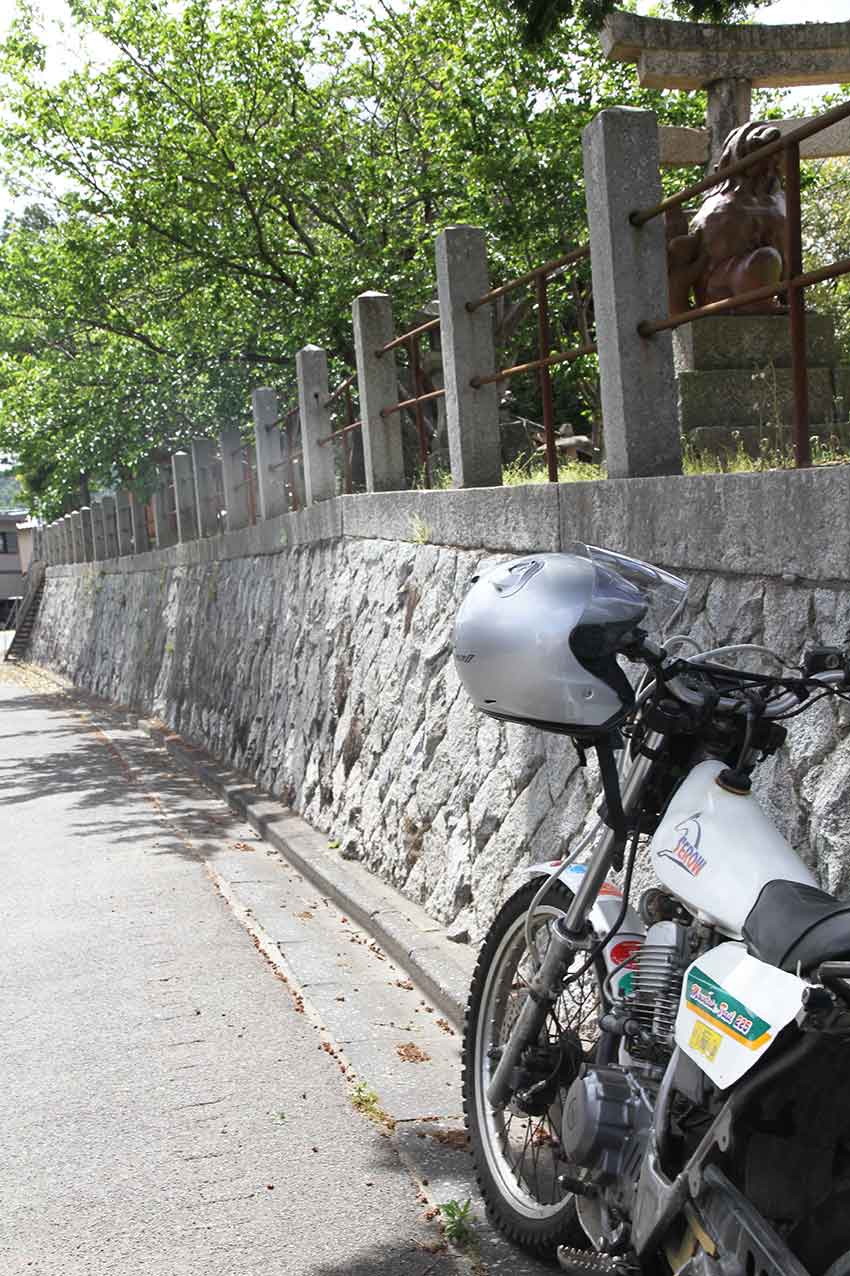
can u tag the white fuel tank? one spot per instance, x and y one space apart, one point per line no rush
715 850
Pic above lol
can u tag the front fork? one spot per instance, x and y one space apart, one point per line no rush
567 937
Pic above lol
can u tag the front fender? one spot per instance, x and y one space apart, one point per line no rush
626 939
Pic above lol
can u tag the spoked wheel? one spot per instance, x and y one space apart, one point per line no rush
841 1266
517 1150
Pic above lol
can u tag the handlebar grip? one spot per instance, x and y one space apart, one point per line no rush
819 660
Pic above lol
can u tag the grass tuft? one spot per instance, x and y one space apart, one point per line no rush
457 1221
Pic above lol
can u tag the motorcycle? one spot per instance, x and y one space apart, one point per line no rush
658 1087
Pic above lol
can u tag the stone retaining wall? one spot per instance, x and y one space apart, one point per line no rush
313 651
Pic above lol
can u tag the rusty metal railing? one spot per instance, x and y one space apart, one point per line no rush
411 341
794 281
343 434
246 455
540 277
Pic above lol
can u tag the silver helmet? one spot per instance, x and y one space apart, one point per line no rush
536 639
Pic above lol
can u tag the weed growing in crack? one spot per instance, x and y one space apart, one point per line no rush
365 1100
457 1221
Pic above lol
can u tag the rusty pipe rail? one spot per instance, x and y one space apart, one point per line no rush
795 278
343 433
540 277
577 254
338 434
340 390
410 403
411 340
648 328
563 356
641 216
406 336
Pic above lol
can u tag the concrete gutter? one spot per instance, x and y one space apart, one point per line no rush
403 929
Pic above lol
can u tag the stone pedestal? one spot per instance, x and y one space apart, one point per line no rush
734 380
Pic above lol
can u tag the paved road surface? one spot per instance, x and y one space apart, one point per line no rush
167 1108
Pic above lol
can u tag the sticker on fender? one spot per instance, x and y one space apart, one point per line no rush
705 1040
731 1009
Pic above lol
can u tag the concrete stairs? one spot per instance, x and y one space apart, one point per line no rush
27 613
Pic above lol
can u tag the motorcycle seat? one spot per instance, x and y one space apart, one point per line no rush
794 926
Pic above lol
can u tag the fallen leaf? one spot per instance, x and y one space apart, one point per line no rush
411 1053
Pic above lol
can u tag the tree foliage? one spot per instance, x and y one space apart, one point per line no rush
235 175
541 18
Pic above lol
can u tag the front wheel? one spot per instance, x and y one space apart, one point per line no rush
517 1152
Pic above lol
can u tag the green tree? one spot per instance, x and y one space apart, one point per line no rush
236 175
540 18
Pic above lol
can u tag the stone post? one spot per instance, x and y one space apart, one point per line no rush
378 388
184 497
67 542
233 478
271 484
110 525
472 415
124 524
311 365
77 537
98 532
165 525
87 534
639 406
205 462
139 525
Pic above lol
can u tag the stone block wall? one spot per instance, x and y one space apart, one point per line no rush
314 652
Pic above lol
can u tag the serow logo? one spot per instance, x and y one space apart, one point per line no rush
685 853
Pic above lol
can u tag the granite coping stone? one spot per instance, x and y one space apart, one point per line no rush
513 518
309 526
763 523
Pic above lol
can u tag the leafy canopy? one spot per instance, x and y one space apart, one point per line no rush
540 18
214 196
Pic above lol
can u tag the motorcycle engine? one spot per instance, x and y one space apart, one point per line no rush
653 1003
606 1113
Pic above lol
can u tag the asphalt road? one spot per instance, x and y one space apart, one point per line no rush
168 1108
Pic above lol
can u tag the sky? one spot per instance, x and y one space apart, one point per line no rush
65 50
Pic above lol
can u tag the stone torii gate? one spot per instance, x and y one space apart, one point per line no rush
729 62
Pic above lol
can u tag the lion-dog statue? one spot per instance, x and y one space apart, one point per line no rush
735 239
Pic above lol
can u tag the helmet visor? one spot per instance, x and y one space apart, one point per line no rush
664 594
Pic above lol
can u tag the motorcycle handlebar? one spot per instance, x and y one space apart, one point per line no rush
731 704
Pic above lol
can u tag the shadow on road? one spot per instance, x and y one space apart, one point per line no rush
77 759
399 1260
